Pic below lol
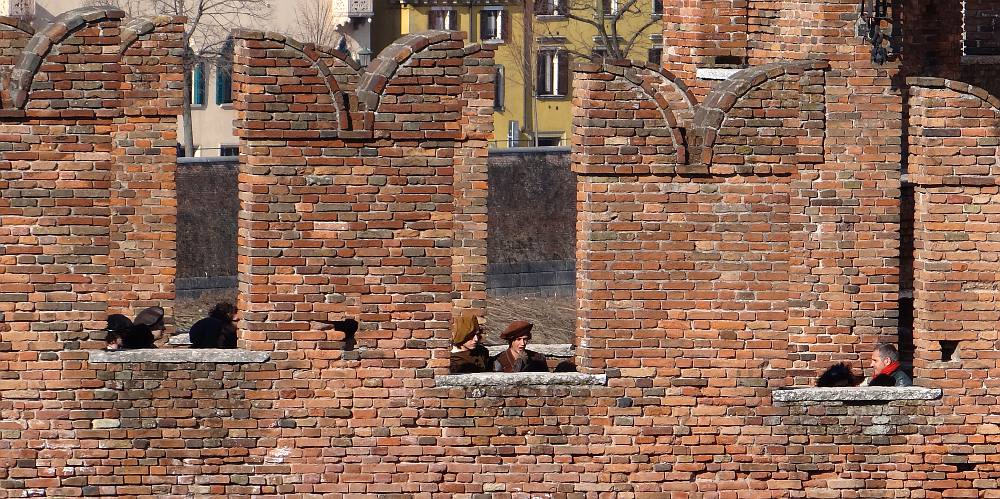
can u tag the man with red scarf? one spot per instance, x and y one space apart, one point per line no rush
885 368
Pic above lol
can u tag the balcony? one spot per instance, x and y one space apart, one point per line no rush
353 8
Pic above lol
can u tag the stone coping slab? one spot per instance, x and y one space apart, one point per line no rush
181 355
521 379
856 394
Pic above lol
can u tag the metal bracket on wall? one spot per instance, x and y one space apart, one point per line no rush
875 13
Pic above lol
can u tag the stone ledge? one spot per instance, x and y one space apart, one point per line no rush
521 379
181 355
856 394
716 73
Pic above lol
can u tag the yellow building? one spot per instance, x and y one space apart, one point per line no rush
535 51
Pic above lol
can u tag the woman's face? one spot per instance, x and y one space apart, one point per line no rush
471 342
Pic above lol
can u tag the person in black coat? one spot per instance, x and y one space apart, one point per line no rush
218 330
145 329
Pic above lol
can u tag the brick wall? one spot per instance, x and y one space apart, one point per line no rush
733 240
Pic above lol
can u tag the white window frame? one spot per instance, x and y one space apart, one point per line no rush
513 133
498 22
652 8
551 71
557 5
451 14
500 89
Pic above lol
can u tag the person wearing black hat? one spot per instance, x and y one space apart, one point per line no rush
217 330
115 331
468 355
517 358
141 334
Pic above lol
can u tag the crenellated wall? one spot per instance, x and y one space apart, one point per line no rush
733 240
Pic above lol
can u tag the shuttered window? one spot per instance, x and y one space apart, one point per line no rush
552 73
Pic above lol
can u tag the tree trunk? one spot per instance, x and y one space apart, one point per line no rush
188 139
529 104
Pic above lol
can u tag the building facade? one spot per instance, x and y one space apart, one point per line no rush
344 25
538 40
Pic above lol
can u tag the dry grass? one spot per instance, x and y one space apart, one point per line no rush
553 317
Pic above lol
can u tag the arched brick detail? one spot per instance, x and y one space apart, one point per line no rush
316 55
141 26
13 23
41 44
711 115
649 81
14 35
385 65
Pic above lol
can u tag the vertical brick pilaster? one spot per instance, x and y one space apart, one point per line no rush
143 214
471 183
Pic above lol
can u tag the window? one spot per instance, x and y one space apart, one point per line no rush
224 75
656 55
981 27
553 73
444 19
599 52
493 23
196 84
498 89
513 133
610 7
549 139
550 7
657 8
229 150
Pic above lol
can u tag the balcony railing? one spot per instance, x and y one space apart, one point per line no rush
353 8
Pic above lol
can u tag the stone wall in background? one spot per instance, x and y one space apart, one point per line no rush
532 222
207 209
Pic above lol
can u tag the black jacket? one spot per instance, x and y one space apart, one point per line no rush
895 378
213 332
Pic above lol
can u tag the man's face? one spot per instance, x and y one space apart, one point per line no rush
518 345
878 363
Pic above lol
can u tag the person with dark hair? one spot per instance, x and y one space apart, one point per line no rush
218 330
837 375
517 358
885 367
115 331
145 329
468 355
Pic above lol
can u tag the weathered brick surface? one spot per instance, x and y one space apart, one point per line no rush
732 241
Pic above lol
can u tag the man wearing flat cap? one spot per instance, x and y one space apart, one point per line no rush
468 355
517 358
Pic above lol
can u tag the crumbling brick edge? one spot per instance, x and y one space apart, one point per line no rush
179 356
856 394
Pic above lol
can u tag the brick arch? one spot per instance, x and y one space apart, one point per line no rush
138 27
40 45
315 55
957 86
689 101
648 82
16 34
712 113
17 24
385 65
